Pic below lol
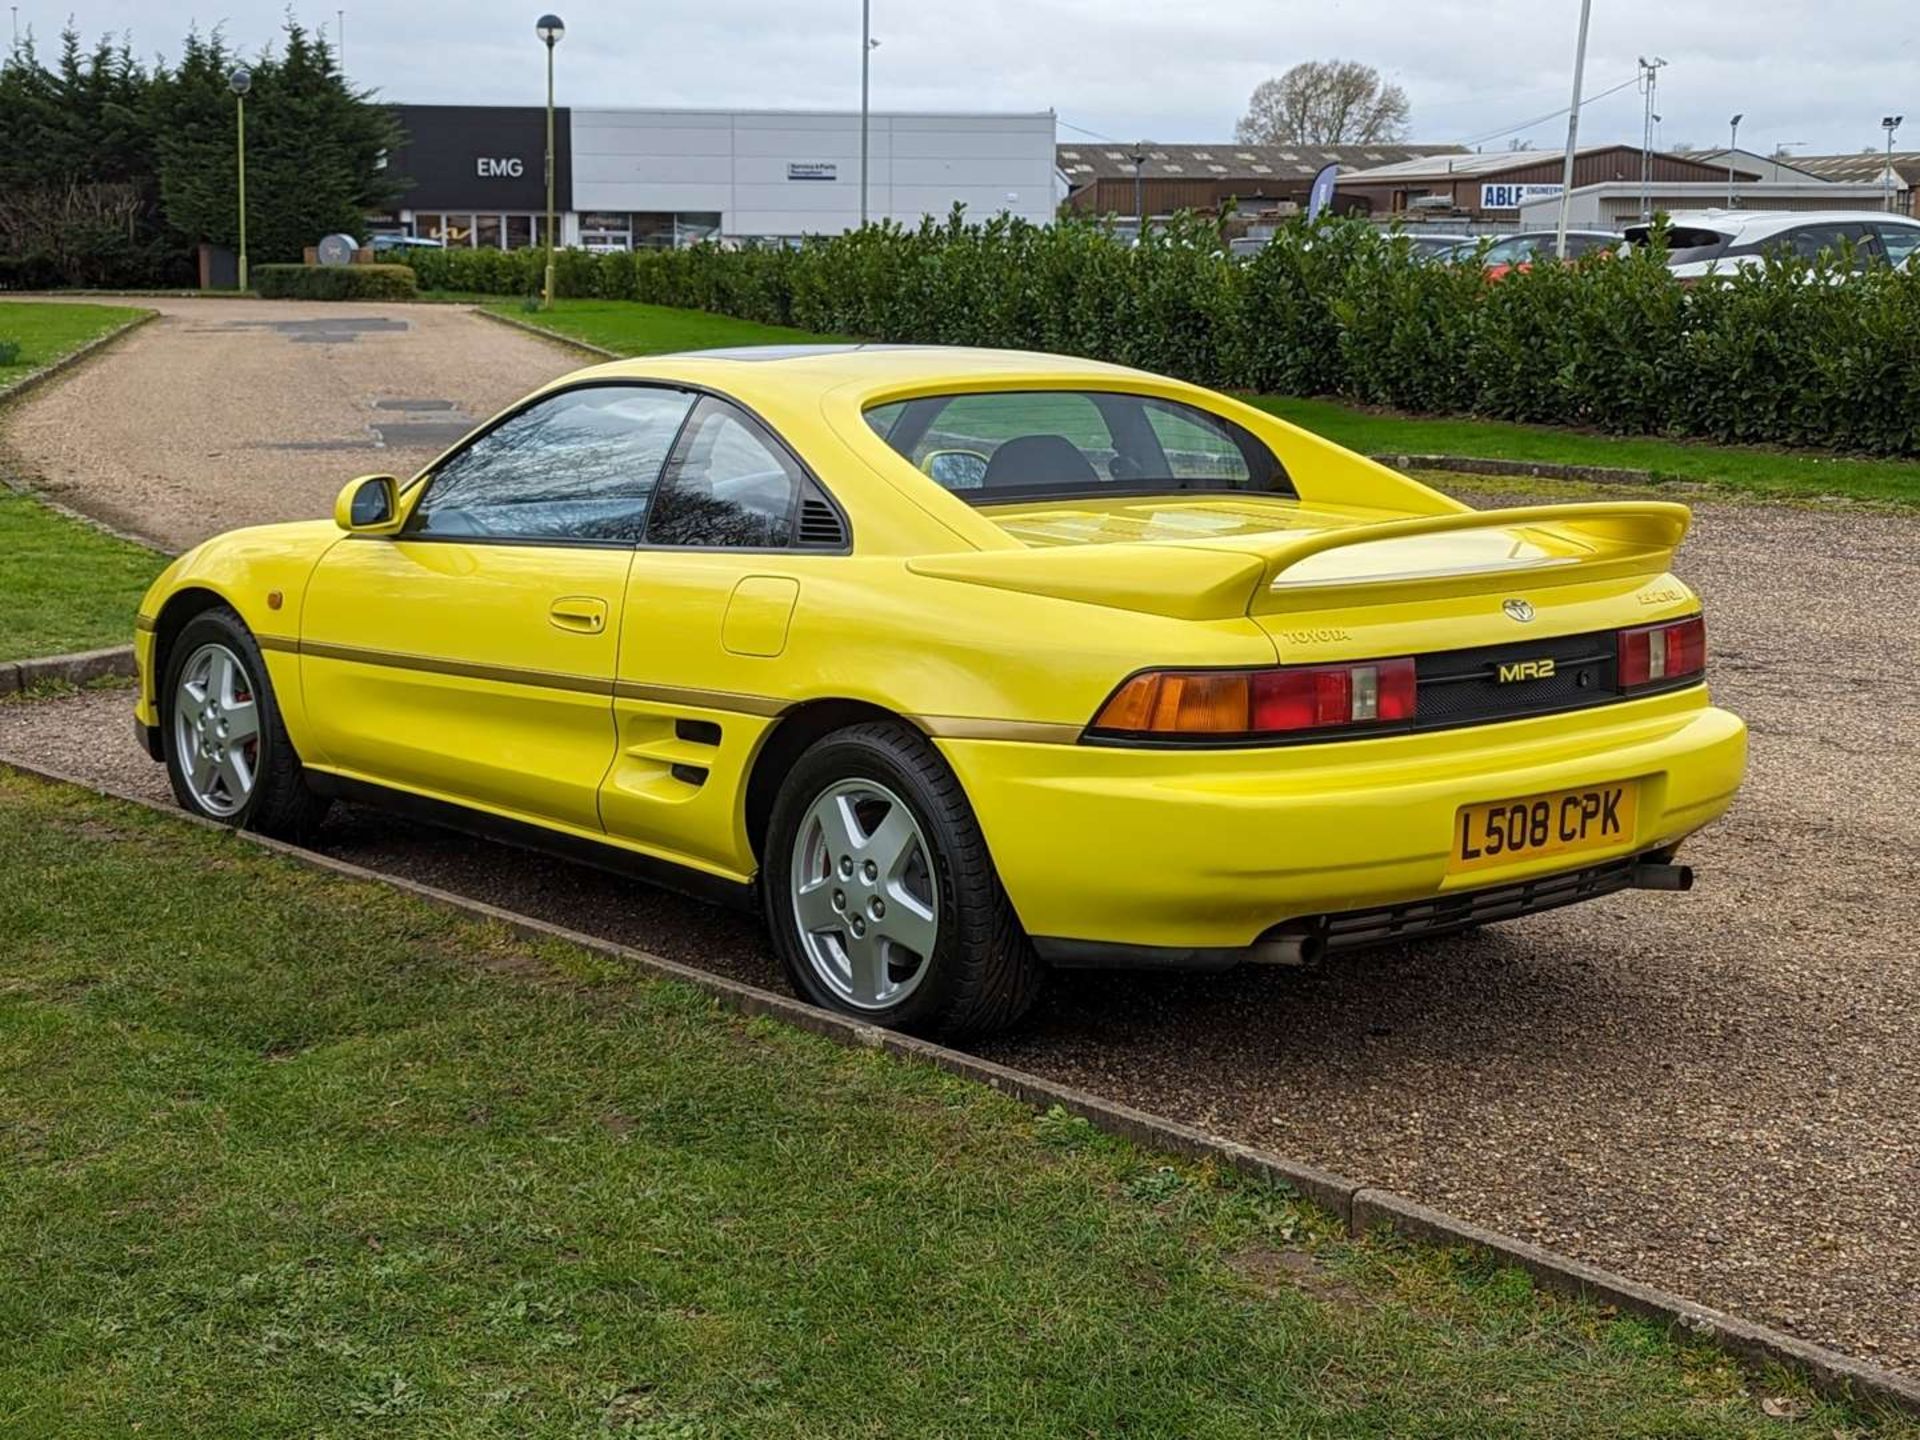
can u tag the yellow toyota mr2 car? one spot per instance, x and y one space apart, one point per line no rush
970 663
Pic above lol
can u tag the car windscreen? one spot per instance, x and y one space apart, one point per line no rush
1000 445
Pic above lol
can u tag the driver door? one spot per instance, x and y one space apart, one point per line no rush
471 657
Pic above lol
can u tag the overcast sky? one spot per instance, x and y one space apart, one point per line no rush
1475 70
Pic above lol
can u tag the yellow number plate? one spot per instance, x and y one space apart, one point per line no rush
1561 822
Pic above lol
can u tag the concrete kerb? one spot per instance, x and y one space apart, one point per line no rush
82 668
34 378
1525 469
1360 1208
584 346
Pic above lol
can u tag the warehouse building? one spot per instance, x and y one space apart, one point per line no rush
1490 189
623 178
1100 176
1871 167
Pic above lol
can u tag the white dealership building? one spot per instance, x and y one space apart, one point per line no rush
633 177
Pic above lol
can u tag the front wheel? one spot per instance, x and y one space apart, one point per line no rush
228 755
881 896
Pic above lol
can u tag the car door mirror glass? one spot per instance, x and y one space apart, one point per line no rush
957 469
370 504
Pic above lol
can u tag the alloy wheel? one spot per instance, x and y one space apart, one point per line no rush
863 895
216 730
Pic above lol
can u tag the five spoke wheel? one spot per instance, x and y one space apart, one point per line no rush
216 729
863 894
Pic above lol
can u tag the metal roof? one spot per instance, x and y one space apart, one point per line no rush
1860 165
1085 161
1440 165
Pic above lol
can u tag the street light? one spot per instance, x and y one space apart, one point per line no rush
549 28
1650 81
1573 133
1139 213
1733 142
240 82
867 46
1890 123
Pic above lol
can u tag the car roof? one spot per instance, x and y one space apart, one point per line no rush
748 368
1738 222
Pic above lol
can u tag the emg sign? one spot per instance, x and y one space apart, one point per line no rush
1512 197
499 167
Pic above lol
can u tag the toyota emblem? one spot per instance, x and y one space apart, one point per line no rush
1518 610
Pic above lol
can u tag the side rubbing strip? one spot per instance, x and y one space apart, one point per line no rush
700 699
962 727
432 665
548 679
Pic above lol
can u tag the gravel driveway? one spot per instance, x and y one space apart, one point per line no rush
240 412
1713 1092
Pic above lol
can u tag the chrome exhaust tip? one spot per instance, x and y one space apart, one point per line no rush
1294 949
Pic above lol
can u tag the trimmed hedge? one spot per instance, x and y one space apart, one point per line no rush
1793 352
334 282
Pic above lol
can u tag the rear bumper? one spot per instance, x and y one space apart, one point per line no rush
1129 852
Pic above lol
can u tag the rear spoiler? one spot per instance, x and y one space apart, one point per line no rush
1200 579
1641 528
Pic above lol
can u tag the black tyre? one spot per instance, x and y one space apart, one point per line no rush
227 752
881 896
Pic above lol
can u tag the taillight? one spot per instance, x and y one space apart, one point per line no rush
1252 704
1656 653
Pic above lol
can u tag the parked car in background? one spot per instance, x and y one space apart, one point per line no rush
1519 251
1439 247
1703 242
383 244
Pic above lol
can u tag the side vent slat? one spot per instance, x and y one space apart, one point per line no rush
820 525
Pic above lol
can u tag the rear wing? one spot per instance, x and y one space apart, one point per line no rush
1638 532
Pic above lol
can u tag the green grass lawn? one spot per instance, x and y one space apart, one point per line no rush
286 1154
634 329
46 331
65 586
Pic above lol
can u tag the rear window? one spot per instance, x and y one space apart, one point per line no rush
1684 242
1015 444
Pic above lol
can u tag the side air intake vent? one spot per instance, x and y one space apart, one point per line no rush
820 525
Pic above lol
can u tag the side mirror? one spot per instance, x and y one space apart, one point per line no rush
369 505
956 469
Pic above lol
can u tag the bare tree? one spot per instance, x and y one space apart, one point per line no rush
1324 102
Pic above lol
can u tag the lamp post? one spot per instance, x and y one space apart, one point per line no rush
1890 123
549 28
240 82
867 46
1139 158
1733 142
1573 133
1650 80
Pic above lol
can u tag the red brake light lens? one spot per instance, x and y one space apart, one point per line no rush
1658 654
1254 704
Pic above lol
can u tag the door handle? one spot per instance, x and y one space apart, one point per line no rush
582 614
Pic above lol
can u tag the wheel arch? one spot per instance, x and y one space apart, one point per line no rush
789 739
175 614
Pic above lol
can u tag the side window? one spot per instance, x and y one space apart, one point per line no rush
1196 448
1900 242
580 465
728 484
1812 241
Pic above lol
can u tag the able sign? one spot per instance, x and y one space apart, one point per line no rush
1512 197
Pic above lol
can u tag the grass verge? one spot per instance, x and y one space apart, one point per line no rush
45 331
635 329
283 1153
64 585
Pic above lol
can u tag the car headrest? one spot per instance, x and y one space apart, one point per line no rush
1039 460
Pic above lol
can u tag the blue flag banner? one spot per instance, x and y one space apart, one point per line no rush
1322 194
